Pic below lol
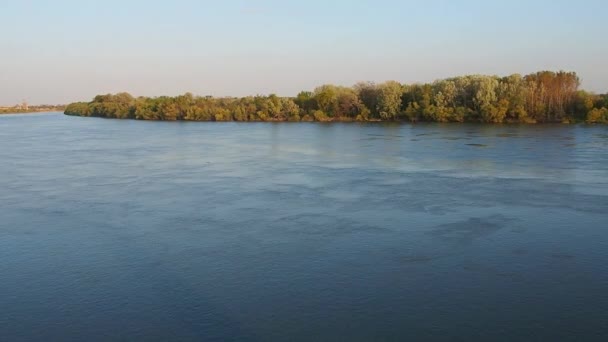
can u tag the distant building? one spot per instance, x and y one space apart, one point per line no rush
22 106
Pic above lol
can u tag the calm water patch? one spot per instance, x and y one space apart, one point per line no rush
128 230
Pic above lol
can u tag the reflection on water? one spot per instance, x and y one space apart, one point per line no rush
229 231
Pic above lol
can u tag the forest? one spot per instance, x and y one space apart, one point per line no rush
542 97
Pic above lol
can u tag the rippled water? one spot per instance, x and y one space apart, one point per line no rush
179 231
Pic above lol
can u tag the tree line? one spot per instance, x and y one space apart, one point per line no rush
540 97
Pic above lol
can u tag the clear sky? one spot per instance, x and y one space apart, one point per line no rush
58 51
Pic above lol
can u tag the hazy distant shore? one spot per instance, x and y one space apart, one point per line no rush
32 110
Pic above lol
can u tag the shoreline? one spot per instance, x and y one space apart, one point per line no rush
541 97
353 121
50 110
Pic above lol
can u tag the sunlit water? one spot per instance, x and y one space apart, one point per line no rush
136 230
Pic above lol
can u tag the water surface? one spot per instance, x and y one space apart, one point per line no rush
135 230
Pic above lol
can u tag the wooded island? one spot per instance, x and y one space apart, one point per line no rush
542 97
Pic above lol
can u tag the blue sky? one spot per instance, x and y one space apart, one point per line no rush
62 51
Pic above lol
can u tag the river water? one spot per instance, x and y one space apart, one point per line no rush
131 230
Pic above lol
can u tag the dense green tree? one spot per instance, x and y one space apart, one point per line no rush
598 115
512 89
584 103
291 111
389 100
306 101
368 94
350 106
78 108
326 98
602 101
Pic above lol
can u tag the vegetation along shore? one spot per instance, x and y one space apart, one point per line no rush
542 97
19 109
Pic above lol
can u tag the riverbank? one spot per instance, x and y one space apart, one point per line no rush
542 97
